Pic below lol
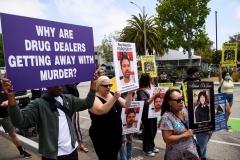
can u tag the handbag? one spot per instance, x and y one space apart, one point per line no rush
194 140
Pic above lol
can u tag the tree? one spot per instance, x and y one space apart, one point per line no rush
233 39
206 52
134 32
2 63
181 24
105 49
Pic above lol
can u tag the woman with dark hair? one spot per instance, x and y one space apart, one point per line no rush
179 139
226 84
202 113
150 125
202 138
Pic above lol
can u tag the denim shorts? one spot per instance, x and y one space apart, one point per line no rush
229 98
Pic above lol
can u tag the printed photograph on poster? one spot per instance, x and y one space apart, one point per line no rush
220 112
149 65
201 103
125 61
201 106
229 54
131 117
155 107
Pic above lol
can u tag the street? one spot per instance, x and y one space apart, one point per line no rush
224 145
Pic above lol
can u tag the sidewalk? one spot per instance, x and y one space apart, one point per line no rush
9 151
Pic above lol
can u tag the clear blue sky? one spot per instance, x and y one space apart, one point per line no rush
106 16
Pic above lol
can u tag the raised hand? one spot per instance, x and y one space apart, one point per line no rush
117 94
7 86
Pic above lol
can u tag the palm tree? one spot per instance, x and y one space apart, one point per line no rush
134 32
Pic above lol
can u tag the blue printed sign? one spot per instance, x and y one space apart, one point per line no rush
41 53
220 111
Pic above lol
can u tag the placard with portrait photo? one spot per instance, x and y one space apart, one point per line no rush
201 106
155 107
220 112
125 64
131 117
229 54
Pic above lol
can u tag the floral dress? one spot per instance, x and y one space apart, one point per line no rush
184 149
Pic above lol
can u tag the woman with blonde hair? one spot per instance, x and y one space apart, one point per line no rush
106 129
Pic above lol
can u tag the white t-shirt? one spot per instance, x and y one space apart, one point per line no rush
64 137
132 80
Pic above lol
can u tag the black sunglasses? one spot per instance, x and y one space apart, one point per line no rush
107 85
178 100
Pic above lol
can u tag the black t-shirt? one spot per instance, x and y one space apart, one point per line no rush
3 97
110 122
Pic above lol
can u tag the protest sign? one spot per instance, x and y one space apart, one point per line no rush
201 106
167 85
125 61
41 53
154 109
149 65
131 117
229 54
220 112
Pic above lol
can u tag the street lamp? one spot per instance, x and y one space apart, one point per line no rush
144 26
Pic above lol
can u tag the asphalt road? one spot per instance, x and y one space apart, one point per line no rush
224 145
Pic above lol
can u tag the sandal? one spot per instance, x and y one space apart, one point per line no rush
83 148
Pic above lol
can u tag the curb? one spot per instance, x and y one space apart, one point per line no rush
25 142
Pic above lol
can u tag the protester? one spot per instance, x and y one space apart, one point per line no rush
149 124
126 71
179 139
226 84
163 78
52 113
100 72
106 128
202 112
6 123
202 138
126 140
72 89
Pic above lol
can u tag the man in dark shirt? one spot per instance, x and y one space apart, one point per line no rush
6 123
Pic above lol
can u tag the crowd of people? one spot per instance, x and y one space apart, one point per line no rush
57 117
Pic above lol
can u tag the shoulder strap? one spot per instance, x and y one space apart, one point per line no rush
221 83
55 104
180 120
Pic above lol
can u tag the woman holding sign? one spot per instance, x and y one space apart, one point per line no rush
106 129
226 86
150 124
174 125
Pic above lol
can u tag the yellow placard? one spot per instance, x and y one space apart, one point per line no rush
184 89
149 65
114 87
168 85
229 54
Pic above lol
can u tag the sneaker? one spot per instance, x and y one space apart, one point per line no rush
155 150
229 127
149 153
25 154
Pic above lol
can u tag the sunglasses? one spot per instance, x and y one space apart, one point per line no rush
178 100
107 85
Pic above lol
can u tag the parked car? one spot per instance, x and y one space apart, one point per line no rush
110 74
